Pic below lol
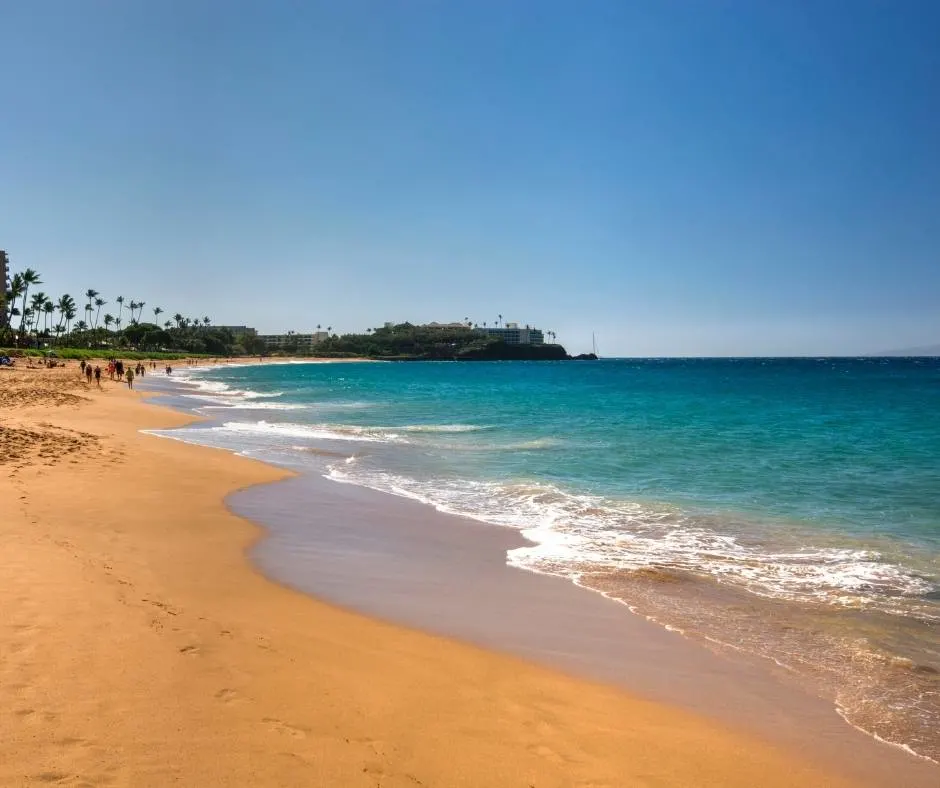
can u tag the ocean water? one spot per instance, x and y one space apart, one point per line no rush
789 508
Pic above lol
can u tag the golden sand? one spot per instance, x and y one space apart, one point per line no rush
138 647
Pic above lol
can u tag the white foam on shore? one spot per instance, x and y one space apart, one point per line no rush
255 405
570 531
336 432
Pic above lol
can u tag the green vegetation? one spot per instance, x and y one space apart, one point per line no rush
32 321
408 342
80 353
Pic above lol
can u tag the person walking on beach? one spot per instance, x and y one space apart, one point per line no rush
82 365
119 369
130 378
98 376
88 372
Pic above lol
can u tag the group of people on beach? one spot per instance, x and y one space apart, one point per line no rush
116 370
91 372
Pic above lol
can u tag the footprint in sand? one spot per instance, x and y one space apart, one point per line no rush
168 609
189 650
227 695
51 777
279 726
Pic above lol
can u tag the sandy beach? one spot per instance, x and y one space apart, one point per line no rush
139 647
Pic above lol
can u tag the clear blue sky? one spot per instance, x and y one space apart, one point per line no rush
726 177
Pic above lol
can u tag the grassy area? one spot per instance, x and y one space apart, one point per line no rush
80 353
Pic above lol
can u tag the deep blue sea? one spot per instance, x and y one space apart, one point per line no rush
787 507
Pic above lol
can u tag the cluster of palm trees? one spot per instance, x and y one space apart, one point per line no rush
40 316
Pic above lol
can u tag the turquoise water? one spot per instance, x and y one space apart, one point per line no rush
790 507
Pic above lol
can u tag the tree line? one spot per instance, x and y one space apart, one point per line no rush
31 318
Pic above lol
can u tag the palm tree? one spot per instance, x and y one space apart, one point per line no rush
179 320
14 292
65 305
168 325
36 305
48 308
328 330
206 321
81 325
70 314
157 311
133 306
120 302
140 309
99 302
27 278
37 302
500 321
90 295
108 320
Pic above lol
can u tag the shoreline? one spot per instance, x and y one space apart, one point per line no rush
142 647
446 574
789 642
721 664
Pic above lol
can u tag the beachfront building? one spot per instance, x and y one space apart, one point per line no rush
4 286
292 342
514 334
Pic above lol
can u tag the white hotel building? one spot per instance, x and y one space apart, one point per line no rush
513 334
303 342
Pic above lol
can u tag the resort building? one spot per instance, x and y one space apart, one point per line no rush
292 342
513 334
4 286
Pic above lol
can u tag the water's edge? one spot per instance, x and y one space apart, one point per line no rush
269 519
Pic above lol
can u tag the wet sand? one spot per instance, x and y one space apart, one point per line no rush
405 562
139 648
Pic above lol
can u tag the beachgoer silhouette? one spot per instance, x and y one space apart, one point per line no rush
130 378
98 376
